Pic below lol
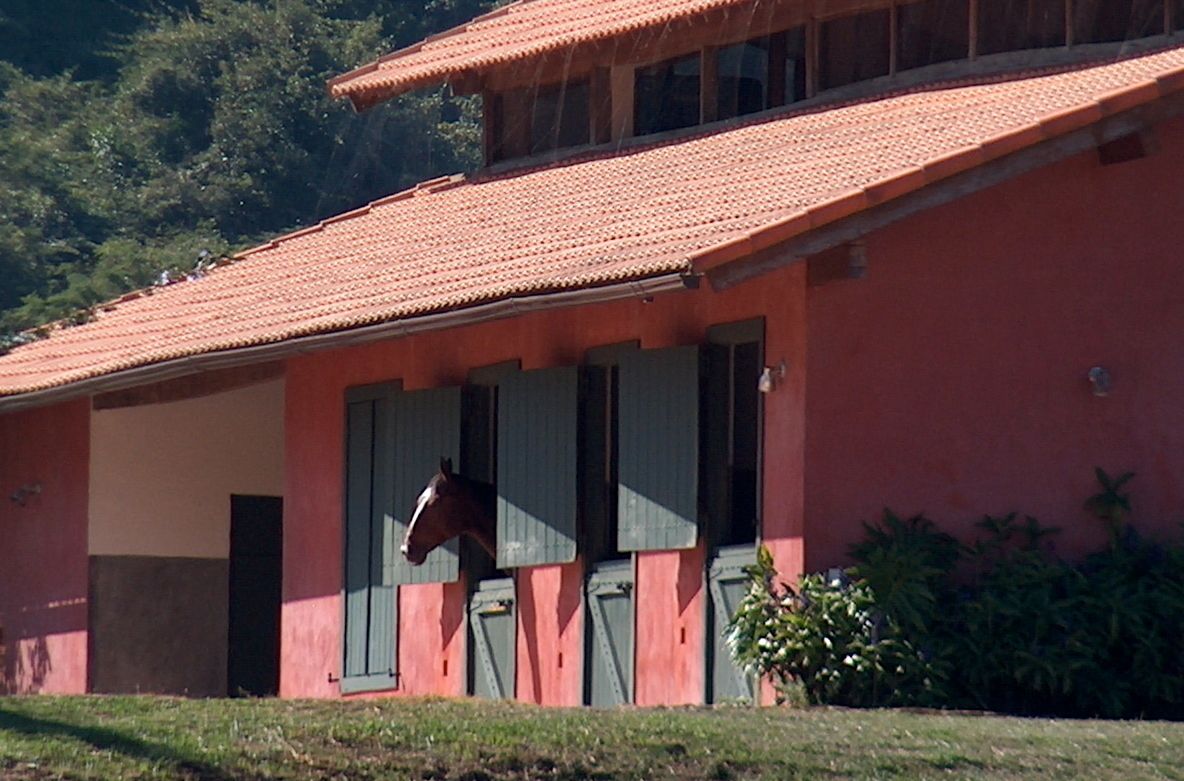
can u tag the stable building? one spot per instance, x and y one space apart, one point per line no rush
735 272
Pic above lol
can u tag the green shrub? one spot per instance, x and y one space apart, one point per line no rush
829 638
1002 624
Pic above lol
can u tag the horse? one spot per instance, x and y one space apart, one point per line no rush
451 505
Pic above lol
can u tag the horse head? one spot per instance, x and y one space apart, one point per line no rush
449 505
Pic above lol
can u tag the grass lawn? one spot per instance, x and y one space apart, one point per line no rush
152 737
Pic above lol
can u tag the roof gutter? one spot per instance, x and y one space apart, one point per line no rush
642 289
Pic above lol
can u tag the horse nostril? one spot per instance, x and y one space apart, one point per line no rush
404 549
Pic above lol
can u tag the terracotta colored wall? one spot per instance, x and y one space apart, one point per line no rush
43 566
162 474
551 621
953 379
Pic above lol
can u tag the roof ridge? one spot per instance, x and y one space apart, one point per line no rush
370 67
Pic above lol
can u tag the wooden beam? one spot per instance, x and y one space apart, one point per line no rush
622 81
195 386
708 84
972 54
601 108
946 191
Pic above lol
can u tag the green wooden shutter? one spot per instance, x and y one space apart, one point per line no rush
371 623
427 427
658 467
537 464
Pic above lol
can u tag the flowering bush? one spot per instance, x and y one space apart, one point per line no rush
829 638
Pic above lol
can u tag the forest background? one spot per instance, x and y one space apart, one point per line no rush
140 138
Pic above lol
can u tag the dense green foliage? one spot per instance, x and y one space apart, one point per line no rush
139 137
1002 624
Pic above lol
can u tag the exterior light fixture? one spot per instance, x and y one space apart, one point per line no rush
21 495
771 377
1099 377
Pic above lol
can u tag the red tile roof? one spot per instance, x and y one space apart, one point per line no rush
520 30
607 217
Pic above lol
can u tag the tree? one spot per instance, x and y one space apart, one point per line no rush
216 131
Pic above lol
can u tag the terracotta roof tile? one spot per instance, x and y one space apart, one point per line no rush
520 30
606 217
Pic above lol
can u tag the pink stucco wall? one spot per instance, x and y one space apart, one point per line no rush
550 633
43 560
952 380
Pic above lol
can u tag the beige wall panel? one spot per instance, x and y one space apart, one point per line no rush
162 475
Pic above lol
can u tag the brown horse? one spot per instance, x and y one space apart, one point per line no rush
451 505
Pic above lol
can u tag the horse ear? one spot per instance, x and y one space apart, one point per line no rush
446 466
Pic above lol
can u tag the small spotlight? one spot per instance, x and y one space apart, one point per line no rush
1099 377
771 377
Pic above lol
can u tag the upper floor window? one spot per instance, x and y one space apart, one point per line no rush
561 117
666 95
932 31
854 48
1011 25
761 73
1098 21
531 121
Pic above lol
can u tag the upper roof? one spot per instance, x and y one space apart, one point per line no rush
520 30
663 208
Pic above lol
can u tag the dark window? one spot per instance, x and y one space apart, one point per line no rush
598 420
561 117
1178 15
854 48
762 73
1098 21
932 31
1013 25
666 95
731 433
509 117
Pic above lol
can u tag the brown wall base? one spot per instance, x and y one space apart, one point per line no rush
158 625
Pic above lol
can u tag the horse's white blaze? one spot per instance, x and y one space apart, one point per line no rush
424 499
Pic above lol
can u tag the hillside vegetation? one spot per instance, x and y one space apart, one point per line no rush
142 136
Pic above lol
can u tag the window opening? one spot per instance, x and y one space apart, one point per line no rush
666 95
854 48
1103 21
732 433
1177 9
932 31
560 117
601 426
762 73
1015 25
478 461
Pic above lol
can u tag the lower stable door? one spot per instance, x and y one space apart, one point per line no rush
727 583
492 639
609 636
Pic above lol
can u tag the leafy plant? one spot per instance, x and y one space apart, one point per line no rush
830 638
1027 632
1111 505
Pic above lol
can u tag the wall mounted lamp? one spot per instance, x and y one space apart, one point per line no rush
1099 377
21 495
771 377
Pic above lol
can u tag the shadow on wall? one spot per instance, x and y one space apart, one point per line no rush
25 664
103 739
26 659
